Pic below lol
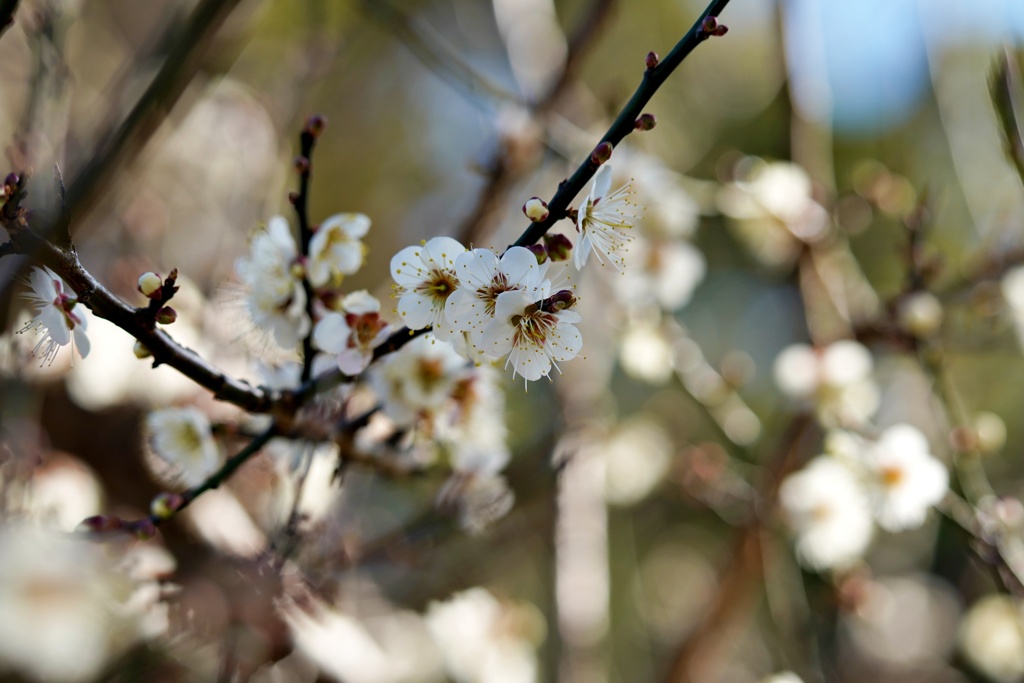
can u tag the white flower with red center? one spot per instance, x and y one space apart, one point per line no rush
336 248
353 334
903 479
483 276
533 334
425 278
56 319
603 221
183 438
273 274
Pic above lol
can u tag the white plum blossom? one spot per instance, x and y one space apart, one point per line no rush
56 320
416 381
425 277
483 276
473 429
65 610
830 513
354 333
903 479
336 249
603 220
836 379
182 437
533 334
483 639
276 298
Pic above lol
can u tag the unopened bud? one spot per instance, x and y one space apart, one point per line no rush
652 60
990 431
144 529
315 124
710 25
645 122
601 153
536 209
559 301
141 351
99 524
293 198
166 315
302 165
165 505
558 246
539 251
150 284
920 314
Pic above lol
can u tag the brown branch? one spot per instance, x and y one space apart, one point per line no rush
7 10
699 656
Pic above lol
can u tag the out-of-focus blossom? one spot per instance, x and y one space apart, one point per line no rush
782 677
484 640
425 277
828 510
64 611
58 320
182 438
483 276
336 249
63 493
417 380
772 210
636 458
479 499
836 379
661 272
646 354
603 221
390 647
276 300
920 314
992 638
903 479
534 338
473 429
353 334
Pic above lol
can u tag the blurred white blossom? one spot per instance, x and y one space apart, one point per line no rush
992 638
417 380
182 438
826 507
484 640
276 299
903 479
64 610
835 379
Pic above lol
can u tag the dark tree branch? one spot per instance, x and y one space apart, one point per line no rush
7 10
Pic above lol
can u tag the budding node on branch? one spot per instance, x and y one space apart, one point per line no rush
539 251
166 315
165 505
315 125
711 27
601 153
302 165
293 198
536 209
652 60
558 247
141 351
645 122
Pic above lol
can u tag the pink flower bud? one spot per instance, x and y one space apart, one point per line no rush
536 209
652 60
645 122
559 301
166 315
539 251
558 247
165 505
150 284
315 124
302 165
601 154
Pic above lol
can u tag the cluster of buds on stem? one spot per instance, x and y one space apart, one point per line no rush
159 291
711 27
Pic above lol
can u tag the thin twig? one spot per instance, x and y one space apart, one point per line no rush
307 141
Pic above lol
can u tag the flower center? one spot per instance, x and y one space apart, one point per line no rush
892 476
533 326
489 294
365 328
440 285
